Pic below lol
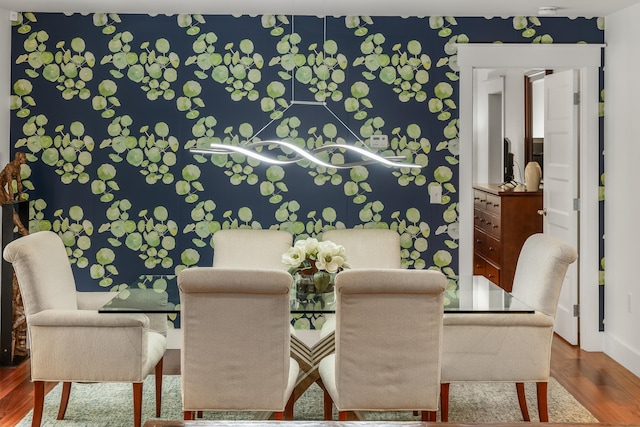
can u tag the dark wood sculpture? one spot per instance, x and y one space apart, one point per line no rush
10 173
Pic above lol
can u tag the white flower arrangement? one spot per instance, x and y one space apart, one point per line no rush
317 258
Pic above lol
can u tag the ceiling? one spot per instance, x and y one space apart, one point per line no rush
487 8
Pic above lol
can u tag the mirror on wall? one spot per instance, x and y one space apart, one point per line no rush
508 105
534 116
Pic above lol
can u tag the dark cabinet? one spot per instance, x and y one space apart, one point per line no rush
502 219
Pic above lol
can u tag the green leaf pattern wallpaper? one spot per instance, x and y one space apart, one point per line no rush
107 106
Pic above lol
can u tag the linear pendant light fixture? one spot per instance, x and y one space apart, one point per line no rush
297 153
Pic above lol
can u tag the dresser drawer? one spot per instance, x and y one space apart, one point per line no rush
492 249
486 222
479 219
479 199
492 273
493 204
479 241
479 265
492 225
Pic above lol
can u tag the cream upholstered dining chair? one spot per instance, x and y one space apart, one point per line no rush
365 248
249 248
511 347
368 247
69 340
236 344
388 342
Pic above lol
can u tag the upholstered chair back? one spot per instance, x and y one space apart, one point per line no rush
46 279
246 248
388 340
368 248
236 344
542 265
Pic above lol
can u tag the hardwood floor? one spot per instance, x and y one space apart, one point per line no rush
605 388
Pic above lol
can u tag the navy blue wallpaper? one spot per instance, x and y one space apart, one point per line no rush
107 106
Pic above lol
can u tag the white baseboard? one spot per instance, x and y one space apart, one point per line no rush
622 353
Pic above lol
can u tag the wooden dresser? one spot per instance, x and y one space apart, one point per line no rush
503 219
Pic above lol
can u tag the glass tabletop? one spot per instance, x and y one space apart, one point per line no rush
466 294
149 293
476 294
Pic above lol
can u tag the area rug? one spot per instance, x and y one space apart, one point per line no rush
99 405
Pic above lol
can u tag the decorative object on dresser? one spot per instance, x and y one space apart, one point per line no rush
532 176
503 219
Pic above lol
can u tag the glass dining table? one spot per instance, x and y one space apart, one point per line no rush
469 294
465 294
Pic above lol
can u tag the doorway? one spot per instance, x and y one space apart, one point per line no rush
586 59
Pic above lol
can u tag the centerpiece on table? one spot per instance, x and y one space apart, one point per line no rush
314 264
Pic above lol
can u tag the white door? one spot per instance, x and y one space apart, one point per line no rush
561 184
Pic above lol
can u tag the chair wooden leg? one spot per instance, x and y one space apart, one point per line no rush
543 410
158 373
199 414
137 404
279 416
522 400
189 415
342 415
288 410
444 402
64 399
328 406
38 403
428 416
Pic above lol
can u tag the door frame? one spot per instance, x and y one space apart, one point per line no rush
587 58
